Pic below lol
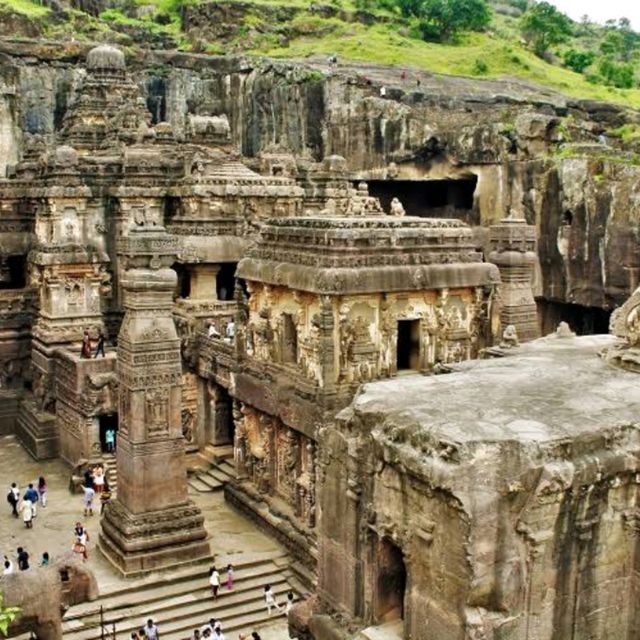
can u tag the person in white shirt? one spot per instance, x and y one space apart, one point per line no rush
8 567
214 581
270 599
230 331
151 630
213 332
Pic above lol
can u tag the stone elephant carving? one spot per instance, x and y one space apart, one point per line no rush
43 594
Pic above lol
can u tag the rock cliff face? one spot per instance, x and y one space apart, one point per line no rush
517 149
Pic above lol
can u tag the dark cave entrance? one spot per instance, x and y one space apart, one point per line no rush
13 272
430 198
289 339
183 286
390 582
107 422
224 427
226 281
408 345
583 320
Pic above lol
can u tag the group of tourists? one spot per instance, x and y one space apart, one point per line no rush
95 482
27 505
22 561
229 331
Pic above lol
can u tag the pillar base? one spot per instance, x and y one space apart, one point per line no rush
140 543
37 431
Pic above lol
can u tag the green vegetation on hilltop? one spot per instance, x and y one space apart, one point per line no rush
512 38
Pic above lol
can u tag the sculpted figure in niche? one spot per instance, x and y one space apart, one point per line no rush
510 337
396 208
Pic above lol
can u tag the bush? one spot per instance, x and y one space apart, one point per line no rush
578 60
480 67
617 74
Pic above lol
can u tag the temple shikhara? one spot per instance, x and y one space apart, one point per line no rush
361 375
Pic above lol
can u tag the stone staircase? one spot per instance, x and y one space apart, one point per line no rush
181 601
212 470
110 470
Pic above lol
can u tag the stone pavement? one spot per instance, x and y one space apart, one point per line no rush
233 537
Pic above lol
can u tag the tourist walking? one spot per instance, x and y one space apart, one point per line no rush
110 439
86 346
151 630
88 477
214 581
229 577
13 497
289 603
80 543
270 599
42 490
196 634
8 567
32 496
23 559
217 634
100 345
105 496
98 479
44 561
26 508
89 494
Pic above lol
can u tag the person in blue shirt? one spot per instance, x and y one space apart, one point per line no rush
32 496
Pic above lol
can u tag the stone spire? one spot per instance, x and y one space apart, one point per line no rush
513 251
152 523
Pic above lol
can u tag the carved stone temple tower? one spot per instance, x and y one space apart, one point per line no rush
152 523
513 250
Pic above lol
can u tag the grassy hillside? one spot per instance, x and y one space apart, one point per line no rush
299 28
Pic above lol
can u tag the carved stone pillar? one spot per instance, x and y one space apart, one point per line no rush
203 282
513 251
152 524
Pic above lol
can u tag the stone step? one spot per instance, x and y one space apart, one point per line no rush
170 594
213 483
235 609
198 485
219 474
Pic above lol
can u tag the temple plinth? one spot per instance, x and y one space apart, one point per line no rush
152 523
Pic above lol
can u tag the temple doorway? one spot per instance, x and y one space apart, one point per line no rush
224 427
391 582
107 422
226 281
408 347
290 339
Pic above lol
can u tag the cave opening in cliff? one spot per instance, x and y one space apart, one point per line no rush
450 198
390 581
583 320
408 345
13 272
226 281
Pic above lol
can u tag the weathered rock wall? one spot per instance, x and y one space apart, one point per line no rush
505 135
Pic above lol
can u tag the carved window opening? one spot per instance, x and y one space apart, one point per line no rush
226 281
451 198
106 423
585 321
13 272
390 581
289 339
408 347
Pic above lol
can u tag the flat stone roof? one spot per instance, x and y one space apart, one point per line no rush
547 390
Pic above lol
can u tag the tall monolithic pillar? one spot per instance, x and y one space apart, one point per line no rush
513 251
152 523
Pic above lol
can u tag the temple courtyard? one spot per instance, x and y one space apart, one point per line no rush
179 600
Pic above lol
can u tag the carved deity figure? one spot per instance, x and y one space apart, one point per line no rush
396 208
509 337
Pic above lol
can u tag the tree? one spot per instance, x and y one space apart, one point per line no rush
445 19
578 60
619 40
618 74
7 616
544 26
